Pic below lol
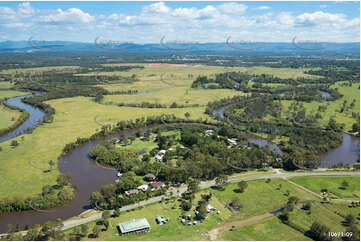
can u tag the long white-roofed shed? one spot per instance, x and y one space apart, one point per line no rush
134 226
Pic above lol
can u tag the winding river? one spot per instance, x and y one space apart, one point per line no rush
88 177
35 117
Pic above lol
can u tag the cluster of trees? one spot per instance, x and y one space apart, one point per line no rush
51 196
189 195
50 230
332 74
124 92
255 109
292 91
131 124
229 80
71 76
155 105
108 154
201 207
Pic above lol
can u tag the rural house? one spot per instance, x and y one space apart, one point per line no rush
156 185
131 192
149 177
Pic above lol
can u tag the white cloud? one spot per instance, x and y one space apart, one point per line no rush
7 13
323 6
157 8
203 24
233 8
71 15
319 18
25 9
286 18
263 8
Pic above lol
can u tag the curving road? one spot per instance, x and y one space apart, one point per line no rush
204 185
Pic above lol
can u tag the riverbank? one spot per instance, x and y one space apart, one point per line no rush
19 120
31 117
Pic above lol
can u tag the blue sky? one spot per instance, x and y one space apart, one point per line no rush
148 22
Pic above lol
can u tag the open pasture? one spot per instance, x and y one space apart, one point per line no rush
334 185
7 116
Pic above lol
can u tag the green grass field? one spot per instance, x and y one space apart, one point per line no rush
261 197
343 208
38 69
181 95
332 184
333 107
280 72
270 229
183 75
318 213
139 145
5 85
10 93
7 116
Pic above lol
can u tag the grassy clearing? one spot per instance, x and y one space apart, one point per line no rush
261 197
38 69
75 117
4 85
139 145
257 199
350 93
183 75
280 72
270 229
332 184
251 174
7 116
174 230
180 95
304 220
343 208
8 94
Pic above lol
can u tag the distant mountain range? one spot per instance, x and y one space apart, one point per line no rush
352 48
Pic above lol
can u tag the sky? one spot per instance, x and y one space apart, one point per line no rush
206 21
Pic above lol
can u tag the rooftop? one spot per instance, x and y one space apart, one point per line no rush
157 184
133 225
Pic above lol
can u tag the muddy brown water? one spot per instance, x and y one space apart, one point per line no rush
347 153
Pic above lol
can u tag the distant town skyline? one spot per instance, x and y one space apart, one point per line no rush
148 22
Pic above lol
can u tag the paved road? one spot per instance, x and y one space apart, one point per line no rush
73 223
